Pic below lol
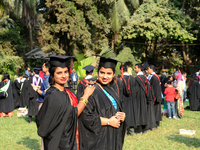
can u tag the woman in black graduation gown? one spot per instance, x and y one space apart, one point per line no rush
57 118
7 104
101 125
193 93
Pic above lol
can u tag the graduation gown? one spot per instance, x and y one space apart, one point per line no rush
130 103
156 88
194 96
33 104
24 96
140 94
57 121
17 95
7 104
92 135
81 87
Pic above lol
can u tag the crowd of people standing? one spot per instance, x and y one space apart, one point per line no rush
102 111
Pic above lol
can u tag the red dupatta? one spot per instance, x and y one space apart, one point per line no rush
74 103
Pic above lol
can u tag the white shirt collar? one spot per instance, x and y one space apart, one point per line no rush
89 77
140 73
153 73
126 74
37 75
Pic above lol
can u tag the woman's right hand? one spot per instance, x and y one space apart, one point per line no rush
89 89
114 122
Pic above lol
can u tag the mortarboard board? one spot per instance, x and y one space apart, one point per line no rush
37 68
145 66
107 62
60 61
20 74
89 68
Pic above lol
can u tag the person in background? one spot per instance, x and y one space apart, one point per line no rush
45 85
33 95
89 77
17 84
27 72
155 85
184 75
75 78
170 91
7 103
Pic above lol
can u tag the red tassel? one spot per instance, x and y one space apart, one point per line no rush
71 64
122 70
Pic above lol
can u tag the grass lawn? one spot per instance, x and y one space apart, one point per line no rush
17 134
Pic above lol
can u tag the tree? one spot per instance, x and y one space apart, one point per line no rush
156 23
72 25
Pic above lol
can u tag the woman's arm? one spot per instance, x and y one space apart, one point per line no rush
113 121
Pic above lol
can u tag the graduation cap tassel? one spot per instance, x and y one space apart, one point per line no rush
71 64
122 71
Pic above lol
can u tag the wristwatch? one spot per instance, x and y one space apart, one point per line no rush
37 90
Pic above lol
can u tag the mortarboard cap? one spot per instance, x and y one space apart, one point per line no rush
60 61
20 74
35 68
107 62
145 66
89 68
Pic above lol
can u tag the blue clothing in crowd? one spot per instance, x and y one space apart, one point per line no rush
76 76
45 85
27 72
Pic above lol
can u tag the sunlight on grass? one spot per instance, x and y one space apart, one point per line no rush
17 134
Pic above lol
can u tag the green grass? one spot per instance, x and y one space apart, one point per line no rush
17 134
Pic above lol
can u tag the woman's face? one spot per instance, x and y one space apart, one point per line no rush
105 75
61 75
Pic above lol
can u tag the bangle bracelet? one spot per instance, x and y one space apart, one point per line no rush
108 122
83 100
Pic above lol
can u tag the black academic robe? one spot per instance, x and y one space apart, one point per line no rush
194 96
130 101
7 104
57 121
118 86
140 95
92 135
17 98
33 103
156 88
24 96
81 87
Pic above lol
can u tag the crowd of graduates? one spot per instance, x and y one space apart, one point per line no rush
99 112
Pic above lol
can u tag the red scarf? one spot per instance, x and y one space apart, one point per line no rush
74 103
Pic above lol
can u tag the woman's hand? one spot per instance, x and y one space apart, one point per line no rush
121 116
89 89
114 122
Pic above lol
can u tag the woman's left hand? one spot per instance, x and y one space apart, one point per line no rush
121 116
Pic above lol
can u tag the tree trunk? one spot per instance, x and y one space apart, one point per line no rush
30 34
183 6
185 58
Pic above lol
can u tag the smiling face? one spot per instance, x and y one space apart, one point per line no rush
105 75
61 75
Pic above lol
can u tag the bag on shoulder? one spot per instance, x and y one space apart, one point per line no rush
3 90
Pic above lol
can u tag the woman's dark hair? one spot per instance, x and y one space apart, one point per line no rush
36 71
47 64
111 68
191 81
169 82
51 78
6 76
